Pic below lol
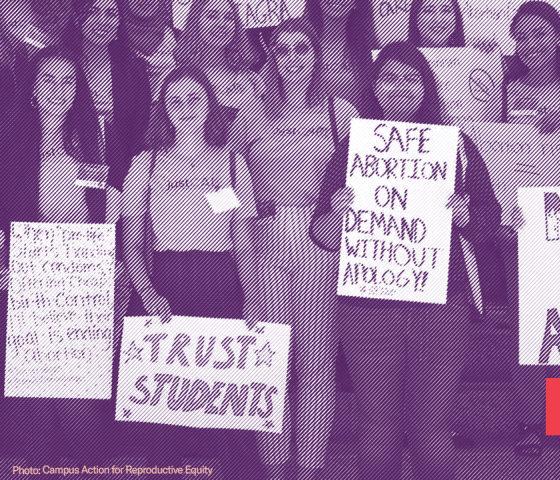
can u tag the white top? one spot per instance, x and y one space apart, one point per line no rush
60 200
181 215
161 62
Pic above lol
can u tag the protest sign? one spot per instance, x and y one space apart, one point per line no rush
539 276
469 83
396 236
60 311
482 20
253 13
203 372
516 156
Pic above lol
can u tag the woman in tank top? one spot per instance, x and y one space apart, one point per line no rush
288 142
54 132
215 41
200 263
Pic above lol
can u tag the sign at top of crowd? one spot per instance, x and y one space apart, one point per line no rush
60 311
482 19
516 156
204 373
397 234
539 276
469 82
253 13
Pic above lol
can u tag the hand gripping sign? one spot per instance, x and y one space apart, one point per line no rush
203 372
397 234
60 311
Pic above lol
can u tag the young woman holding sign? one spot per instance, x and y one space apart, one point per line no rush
203 264
215 41
288 146
54 132
411 380
533 97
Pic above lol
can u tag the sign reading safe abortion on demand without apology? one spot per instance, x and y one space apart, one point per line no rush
204 373
60 311
397 234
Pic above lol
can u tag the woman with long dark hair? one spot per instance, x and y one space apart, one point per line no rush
344 46
288 145
215 41
409 383
436 24
200 263
51 135
532 97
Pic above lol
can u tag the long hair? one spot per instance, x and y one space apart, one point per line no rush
456 39
430 110
275 94
81 133
240 53
161 132
538 9
73 37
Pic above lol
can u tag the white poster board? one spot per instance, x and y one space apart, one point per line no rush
253 13
60 311
469 83
396 237
482 19
516 156
203 372
539 276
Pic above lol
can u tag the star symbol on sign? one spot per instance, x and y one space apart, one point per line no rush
259 330
264 355
269 424
126 413
133 352
148 322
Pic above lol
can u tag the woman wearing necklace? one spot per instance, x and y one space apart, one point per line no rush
215 41
202 261
54 132
287 146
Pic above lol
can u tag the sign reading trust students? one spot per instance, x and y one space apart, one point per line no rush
203 372
60 311
539 276
397 234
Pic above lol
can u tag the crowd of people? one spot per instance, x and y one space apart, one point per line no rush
175 114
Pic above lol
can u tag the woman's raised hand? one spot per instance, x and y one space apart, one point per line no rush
342 200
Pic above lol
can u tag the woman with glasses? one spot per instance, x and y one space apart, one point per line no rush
288 146
405 358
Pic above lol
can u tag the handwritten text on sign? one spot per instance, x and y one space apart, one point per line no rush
253 13
203 372
539 276
60 311
396 236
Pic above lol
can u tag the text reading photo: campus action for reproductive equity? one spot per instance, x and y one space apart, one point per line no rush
113 470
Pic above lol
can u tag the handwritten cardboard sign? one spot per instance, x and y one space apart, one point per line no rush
203 372
60 311
397 234
539 276
516 156
253 13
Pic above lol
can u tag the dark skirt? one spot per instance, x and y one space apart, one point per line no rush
202 284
